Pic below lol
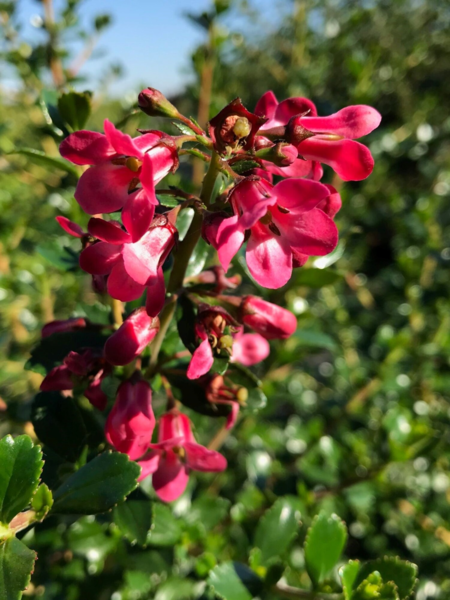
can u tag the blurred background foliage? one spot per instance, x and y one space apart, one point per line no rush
358 412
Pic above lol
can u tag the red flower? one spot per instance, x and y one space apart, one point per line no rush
269 320
132 266
131 422
283 220
175 455
63 326
328 140
135 334
118 165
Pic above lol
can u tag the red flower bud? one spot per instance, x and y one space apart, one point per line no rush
269 320
130 423
155 104
131 338
63 326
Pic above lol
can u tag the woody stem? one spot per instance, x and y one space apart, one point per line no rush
180 265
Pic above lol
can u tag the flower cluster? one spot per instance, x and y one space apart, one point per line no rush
132 247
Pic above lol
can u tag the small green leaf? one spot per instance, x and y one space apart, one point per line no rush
20 468
373 588
348 574
98 486
324 544
208 511
402 572
16 566
75 108
42 502
276 530
170 201
234 581
314 339
52 162
245 165
63 258
134 519
316 278
220 365
198 258
184 128
166 528
58 424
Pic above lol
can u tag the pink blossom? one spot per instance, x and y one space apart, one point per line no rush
283 221
328 140
118 165
269 320
175 455
131 422
249 348
63 326
131 266
132 337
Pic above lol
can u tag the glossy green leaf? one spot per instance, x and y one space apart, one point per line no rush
324 544
208 511
184 129
75 108
58 424
373 588
169 201
20 469
16 566
90 539
63 258
220 365
276 530
98 486
316 278
166 527
314 339
52 162
245 165
134 519
42 502
198 258
402 572
234 581
348 574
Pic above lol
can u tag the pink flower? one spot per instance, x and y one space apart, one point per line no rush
79 368
119 164
269 320
132 265
64 326
328 140
249 348
132 337
131 422
175 455
283 220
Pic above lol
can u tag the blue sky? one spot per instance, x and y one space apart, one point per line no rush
150 38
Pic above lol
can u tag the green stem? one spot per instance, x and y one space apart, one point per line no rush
180 265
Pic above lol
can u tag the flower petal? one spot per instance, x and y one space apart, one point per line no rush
251 199
269 258
313 233
137 214
143 257
171 478
70 227
250 349
135 333
200 458
108 231
58 379
230 237
332 204
299 195
121 142
156 295
100 258
290 108
351 160
146 177
299 168
123 287
201 361
351 122
86 148
266 105
103 188
149 465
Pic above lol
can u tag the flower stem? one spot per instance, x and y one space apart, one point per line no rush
180 265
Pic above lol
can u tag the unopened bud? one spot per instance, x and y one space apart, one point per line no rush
281 154
295 132
155 104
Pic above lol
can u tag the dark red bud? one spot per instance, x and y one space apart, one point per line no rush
131 338
155 104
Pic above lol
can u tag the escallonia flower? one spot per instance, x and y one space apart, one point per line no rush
131 266
175 454
122 170
130 424
234 128
328 140
132 337
280 222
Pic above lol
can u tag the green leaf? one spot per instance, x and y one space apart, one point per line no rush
314 339
402 572
166 529
276 530
170 201
98 486
58 424
63 258
198 258
90 539
184 129
234 581
245 165
53 162
42 502
20 468
316 278
324 544
52 350
348 574
373 588
208 511
16 566
177 588
186 317
75 108
241 375
220 364
134 519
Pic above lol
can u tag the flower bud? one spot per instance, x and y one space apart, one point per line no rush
267 319
295 132
280 154
131 422
155 104
63 326
135 333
